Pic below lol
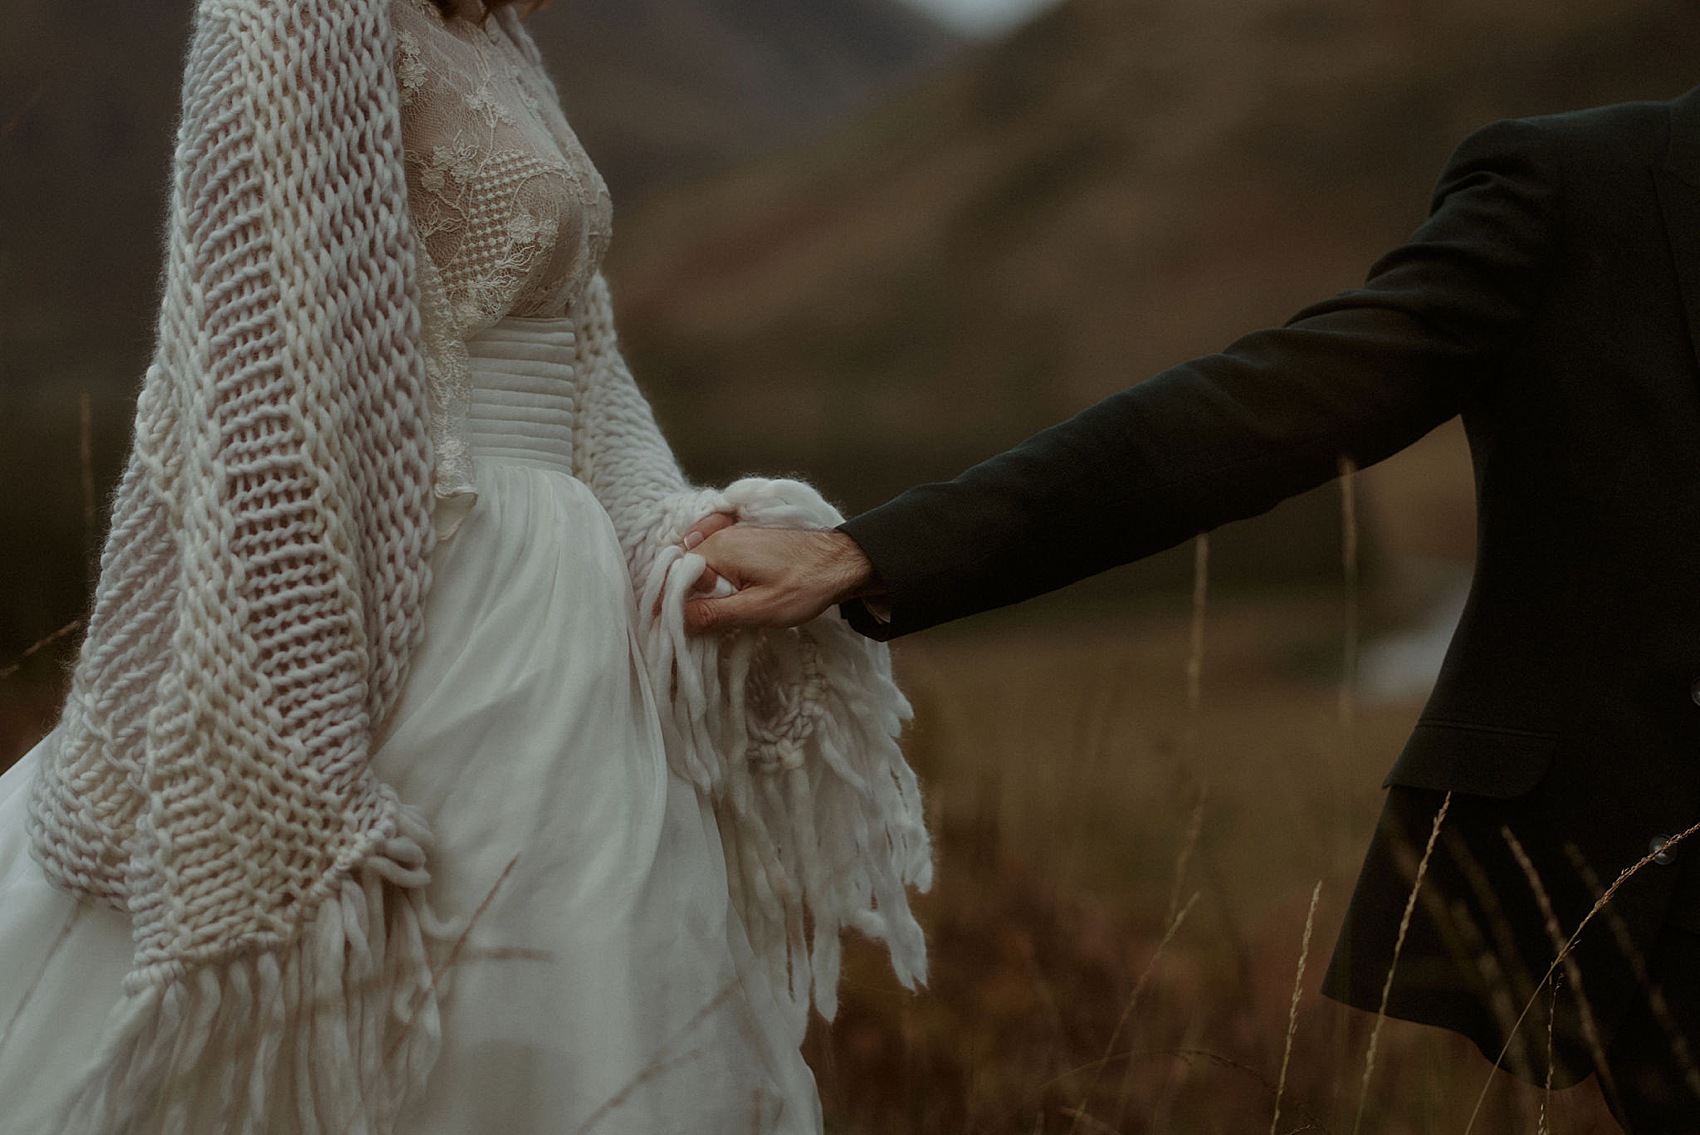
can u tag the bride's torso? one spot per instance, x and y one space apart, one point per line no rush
509 206
512 214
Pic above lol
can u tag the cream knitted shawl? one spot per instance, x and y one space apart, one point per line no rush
262 591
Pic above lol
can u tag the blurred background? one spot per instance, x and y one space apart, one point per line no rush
870 242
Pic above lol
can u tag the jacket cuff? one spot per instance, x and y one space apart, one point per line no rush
865 622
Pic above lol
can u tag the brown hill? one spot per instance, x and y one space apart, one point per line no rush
663 91
660 89
1121 185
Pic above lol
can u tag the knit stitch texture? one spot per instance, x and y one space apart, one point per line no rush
297 455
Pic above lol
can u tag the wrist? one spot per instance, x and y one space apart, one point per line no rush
849 572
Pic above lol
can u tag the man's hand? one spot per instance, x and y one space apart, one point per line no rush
784 576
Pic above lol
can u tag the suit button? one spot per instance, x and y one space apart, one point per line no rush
1661 857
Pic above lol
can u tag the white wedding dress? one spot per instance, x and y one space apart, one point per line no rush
605 984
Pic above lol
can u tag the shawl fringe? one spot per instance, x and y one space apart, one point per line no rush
261 597
793 737
328 1035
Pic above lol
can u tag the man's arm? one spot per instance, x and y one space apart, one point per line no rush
1212 440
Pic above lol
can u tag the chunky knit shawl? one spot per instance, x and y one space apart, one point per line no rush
262 591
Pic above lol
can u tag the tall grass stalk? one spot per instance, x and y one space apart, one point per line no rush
1127 1010
1200 609
660 1064
1393 964
1293 1007
1679 1042
1600 904
85 460
22 659
1133 1000
1546 1089
1194 709
1079 1115
71 921
452 959
1187 848
1349 645
1563 954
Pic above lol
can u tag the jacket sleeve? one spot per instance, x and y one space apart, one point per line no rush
1231 435
791 736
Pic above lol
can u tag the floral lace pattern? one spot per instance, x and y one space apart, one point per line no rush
511 210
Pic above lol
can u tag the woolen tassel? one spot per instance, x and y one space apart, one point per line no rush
329 1035
792 737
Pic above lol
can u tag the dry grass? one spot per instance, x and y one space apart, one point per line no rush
1066 756
1071 989
1062 788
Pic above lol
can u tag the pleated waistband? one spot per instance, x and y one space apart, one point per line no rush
524 396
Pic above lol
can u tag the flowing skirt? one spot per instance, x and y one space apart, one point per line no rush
605 985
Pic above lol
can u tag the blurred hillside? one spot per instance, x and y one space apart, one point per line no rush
1115 187
664 91
661 91
1118 186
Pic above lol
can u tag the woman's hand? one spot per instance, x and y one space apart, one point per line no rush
710 582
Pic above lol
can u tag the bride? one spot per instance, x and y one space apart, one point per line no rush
390 794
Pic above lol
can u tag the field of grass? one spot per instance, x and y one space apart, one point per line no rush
1066 774
1097 966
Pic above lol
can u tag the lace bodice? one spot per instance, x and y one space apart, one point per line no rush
510 208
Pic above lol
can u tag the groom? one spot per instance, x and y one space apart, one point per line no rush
1552 299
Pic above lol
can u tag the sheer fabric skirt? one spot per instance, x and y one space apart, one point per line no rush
605 986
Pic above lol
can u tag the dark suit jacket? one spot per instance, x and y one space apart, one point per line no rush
1553 299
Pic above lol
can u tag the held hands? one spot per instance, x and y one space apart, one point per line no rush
770 577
